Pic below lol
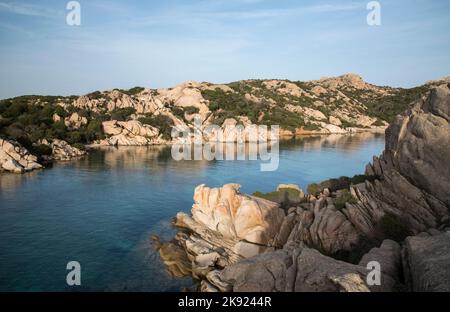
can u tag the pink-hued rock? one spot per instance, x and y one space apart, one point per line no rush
130 133
16 158
235 215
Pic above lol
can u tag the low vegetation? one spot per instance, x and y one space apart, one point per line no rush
343 198
392 227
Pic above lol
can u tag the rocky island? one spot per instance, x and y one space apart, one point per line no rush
41 129
397 214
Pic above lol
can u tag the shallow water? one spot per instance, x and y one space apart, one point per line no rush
102 210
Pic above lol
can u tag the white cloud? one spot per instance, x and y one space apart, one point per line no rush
29 9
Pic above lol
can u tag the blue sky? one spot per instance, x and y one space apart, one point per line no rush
163 43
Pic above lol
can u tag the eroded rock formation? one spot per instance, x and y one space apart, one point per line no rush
130 133
61 150
15 158
405 193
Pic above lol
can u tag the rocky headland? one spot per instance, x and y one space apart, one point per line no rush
144 116
397 214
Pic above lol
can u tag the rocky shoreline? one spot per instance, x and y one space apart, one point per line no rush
15 158
47 125
397 215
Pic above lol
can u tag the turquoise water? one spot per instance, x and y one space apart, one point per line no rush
102 210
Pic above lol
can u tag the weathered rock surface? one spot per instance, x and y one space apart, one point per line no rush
414 167
300 269
61 150
235 215
130 133
15 158
426 260
74 121
241 243
227 226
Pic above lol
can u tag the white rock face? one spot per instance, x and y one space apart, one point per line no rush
130 133
188 94
334 129
61 150
335 121
284 87
75 121
15 158
231 132
308 112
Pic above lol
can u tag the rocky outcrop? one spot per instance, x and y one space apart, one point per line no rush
61 150
414 167
234 131
15 158
227 226
74 121
235 215
405 192
426 260
299 269
130 133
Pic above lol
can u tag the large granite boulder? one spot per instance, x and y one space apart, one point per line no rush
225 227
413 171
235 215
299 269
426 260
61 150
130 133
15 158
419 144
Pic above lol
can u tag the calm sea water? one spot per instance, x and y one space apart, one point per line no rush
102 210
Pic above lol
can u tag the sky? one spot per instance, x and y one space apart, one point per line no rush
122 44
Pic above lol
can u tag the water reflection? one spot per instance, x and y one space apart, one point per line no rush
159 158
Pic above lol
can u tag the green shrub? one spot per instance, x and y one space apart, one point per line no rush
95 95
392 227
122 114
311 127
40 150
272 196
343 198
75 137
313 189
348 124
60 111
94 130
178 112
162 122
79 146
191 110
286 197
134 91
361 178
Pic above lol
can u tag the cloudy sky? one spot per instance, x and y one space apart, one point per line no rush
162 43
